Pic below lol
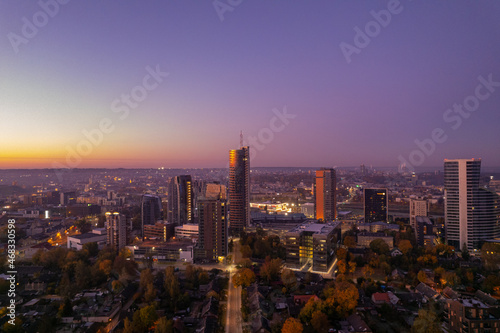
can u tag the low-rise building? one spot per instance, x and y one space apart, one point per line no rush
471 315
178 250
312 242
98 236
187 230
365 238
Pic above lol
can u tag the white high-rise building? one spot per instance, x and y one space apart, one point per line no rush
418 207
472 213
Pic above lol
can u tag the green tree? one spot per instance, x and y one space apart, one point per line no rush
379 246
146 278
288 278
91 248
82 275
148 316
164 325
426 322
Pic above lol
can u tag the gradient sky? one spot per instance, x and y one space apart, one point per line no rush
226 76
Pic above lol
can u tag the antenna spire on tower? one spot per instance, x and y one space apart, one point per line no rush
241 139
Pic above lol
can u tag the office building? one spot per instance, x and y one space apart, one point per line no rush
239 189
472 213
161 230
375 200
212 239
215 191
180 200
325 195
188 230
116 228
424 231
418 207
151 210
312 243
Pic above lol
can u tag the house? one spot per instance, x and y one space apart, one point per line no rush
396 252
303 299
358 324
398 274
427 292
381 298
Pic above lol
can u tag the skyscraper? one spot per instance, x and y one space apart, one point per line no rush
472 213
239 189
180 200
375 205
116 228
151 210
325 192
212 240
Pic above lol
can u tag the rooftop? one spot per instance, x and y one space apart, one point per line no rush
315 228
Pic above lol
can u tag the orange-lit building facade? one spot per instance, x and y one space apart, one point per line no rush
239 189
325 195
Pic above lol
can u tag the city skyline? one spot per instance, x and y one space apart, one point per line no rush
400 91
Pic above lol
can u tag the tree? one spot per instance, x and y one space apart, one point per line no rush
288 278
150 294
465 252
292 325
164 325
127 326
405 246
172 287
17 327
490 253
270 270
82 275
350 241
426 322
341 253
244 277
379 246
367 271
342 298
320 322
246 251
148 316
421 276
83 226
106 266
146 278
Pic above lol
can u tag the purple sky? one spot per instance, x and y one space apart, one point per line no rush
229 75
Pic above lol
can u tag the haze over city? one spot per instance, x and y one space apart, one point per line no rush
201 73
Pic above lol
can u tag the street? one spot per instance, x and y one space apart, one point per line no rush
233 321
